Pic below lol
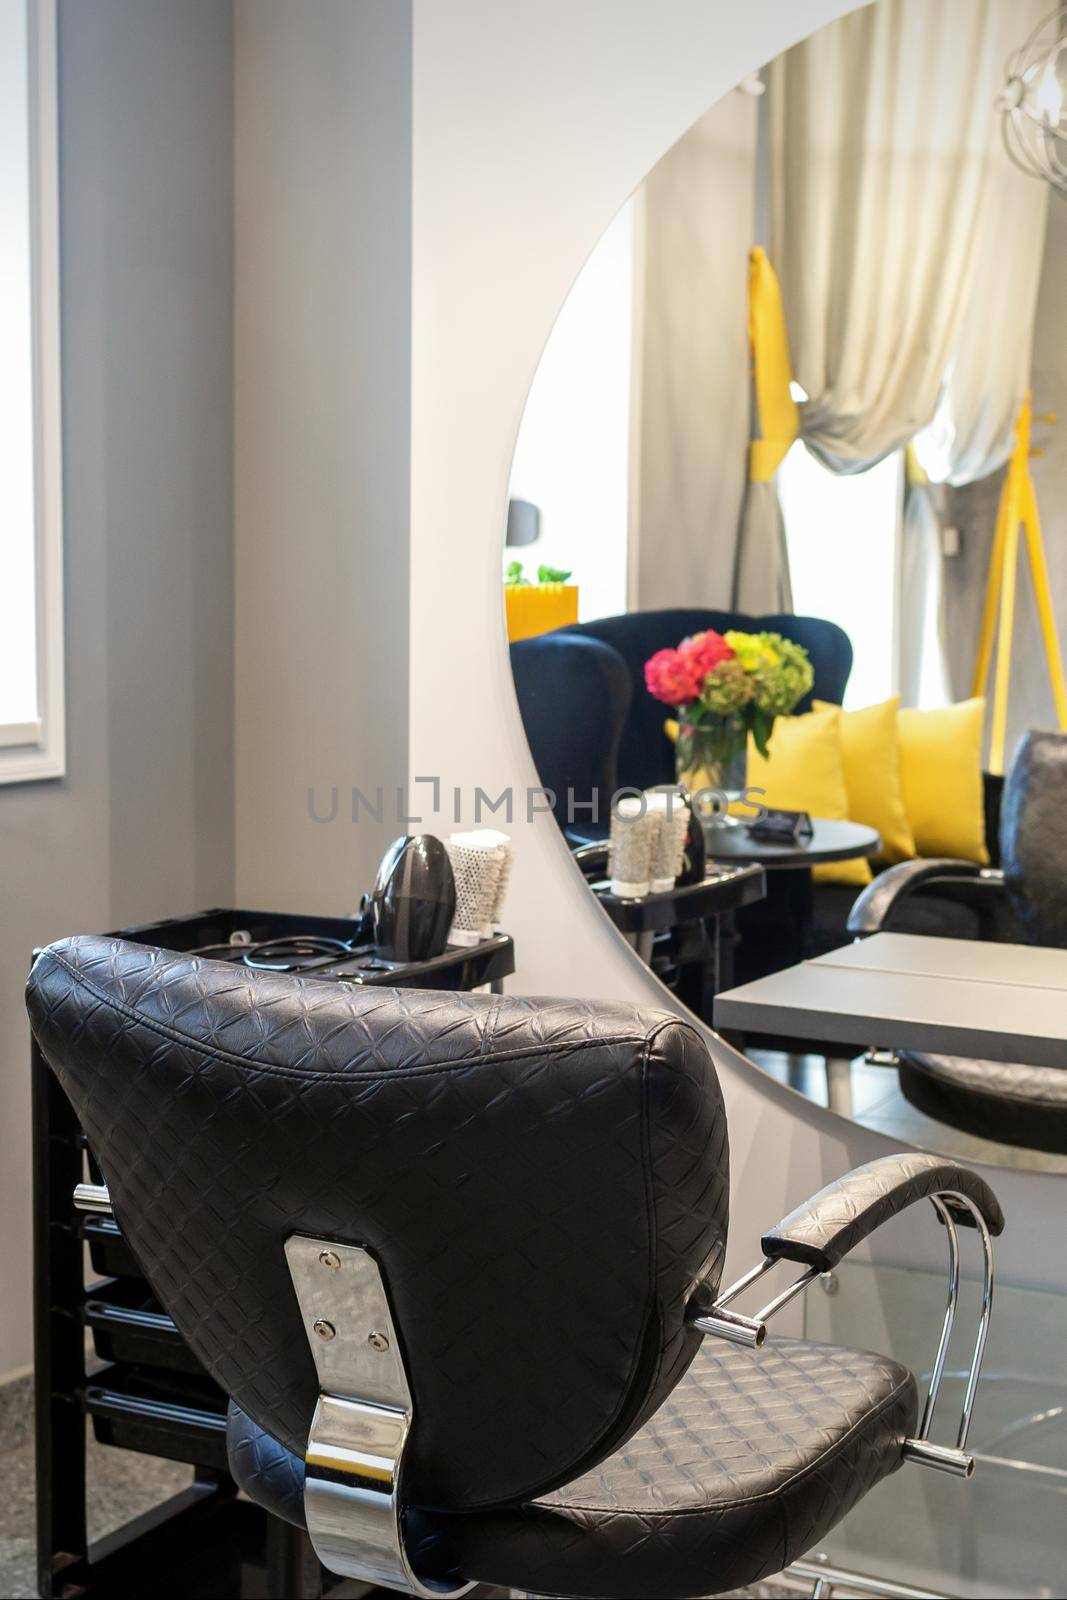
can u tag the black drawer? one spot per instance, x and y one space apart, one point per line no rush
128 1325
179 1417
109 1253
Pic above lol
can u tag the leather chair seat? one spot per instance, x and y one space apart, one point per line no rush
683 1507
1006 1101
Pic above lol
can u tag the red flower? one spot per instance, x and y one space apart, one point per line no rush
673 678
704 651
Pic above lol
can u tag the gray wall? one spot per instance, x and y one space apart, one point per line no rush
163 182
974 510
142 825
323 356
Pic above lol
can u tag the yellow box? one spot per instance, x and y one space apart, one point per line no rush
534 608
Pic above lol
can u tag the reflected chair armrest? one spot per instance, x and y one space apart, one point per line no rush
818 1234
873 908
591 856
589 850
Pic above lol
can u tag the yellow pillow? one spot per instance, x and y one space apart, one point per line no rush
872 775
941 779
805 771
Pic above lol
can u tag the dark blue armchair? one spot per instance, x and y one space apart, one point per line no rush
592 724
593 728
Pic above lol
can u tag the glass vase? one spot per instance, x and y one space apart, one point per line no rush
709 757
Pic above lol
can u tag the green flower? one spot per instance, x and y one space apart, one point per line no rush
727 688
783 677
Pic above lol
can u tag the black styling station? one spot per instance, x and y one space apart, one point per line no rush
146 1391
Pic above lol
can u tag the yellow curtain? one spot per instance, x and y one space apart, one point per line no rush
1017 509
778 417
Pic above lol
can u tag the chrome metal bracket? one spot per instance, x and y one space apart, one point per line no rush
355 1450
946 1458
94 1198
750 1331
876 1057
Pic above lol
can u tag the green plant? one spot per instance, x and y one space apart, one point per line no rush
513 575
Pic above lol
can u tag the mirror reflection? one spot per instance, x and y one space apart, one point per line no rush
786 548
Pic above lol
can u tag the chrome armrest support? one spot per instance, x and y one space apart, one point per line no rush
93 1197
949 1205
941 1457
751 1331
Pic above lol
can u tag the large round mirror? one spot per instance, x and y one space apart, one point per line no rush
783 616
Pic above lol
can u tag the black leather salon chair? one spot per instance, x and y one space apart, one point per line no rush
1024 901
456 1259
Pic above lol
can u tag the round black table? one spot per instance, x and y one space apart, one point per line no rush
830 841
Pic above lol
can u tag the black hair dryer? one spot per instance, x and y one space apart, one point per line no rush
414 899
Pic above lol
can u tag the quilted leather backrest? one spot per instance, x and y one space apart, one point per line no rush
1033 840
541 1181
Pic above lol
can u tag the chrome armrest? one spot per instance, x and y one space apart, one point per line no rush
874 906
819 1233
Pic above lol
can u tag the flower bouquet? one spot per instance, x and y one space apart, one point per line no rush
724 687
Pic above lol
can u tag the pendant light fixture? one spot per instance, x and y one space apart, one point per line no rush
1034 102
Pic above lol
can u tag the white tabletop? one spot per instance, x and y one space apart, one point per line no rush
1000 1002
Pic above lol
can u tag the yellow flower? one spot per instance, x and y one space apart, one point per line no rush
752 651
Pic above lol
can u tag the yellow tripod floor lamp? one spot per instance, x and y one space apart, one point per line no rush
1017 510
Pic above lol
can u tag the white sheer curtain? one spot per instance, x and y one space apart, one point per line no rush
887 191
973 429
882 129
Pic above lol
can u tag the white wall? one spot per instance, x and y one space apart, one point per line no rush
322 165
572 458
510 192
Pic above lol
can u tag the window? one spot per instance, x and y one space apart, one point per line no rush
843 536
572 457
31 601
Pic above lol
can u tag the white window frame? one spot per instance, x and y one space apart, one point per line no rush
35 750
